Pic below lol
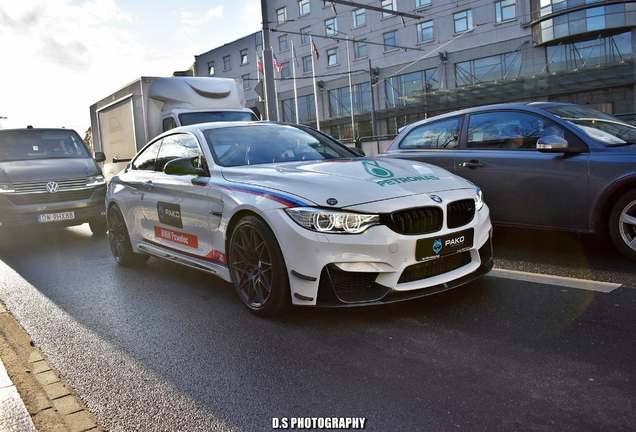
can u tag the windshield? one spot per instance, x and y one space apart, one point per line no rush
30 144
215 116
598 125
266 143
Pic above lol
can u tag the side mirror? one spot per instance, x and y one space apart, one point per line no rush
99 156
357 151
183 166
556 144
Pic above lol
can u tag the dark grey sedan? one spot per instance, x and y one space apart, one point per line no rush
541 164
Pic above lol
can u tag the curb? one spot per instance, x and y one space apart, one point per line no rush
44 394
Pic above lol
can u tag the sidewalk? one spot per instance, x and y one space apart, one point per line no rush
14 416
34 397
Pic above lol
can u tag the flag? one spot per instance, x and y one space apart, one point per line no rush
313 47
259 65
295 57
277 65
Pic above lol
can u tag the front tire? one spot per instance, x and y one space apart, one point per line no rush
119 240
98 227
258 268
622 224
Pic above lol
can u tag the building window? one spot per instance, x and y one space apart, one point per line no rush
331 27
391 40
340 102
463 21
303 7
306 109
226 63
359 18
282 43
211 68
591 52
285 72
488 69
246 81
505 10
307 64
244 58
422 3
400 87
388 4
259 42
360 49
425 31
281 15
332 57
305 34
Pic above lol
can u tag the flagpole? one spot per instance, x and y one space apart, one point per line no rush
313 75
353 126
275 89
294 60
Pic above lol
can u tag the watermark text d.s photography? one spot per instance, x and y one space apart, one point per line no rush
318 422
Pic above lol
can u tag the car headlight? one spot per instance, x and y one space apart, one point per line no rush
95 180
332 221
479 198
6 187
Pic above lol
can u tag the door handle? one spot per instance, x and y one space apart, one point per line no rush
147 185
471 164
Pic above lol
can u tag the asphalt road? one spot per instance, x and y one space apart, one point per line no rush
162 347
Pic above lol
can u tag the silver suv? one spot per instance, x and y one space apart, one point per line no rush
48 177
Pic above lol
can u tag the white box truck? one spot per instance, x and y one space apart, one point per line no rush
125 121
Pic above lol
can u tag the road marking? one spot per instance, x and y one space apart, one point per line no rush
585 284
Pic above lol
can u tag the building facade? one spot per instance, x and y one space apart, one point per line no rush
369 67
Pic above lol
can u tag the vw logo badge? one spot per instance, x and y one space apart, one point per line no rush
436 198
52 187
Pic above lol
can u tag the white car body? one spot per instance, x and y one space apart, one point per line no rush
189 218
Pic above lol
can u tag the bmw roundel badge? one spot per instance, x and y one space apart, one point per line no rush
436 198
332 201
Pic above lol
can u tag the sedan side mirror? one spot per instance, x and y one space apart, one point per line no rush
556 144
183 166
99 156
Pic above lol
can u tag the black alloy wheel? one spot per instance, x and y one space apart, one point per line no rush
258 268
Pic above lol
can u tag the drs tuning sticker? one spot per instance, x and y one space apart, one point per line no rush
169 214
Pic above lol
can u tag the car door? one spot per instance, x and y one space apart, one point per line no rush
432 142
521 185
176 208
133 183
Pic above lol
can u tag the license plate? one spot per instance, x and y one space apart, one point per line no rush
53 217
443 245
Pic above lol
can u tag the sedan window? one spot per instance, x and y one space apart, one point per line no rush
508 130
441 134
176 146
145 161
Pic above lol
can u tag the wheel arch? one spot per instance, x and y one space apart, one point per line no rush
607 199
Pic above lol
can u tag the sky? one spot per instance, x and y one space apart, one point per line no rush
58 57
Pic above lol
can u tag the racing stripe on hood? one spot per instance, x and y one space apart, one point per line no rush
285 200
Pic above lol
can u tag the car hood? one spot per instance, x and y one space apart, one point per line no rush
46 169
349 181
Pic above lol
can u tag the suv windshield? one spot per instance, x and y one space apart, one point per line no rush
598 125
30 144
187 119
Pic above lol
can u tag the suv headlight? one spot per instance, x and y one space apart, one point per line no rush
6 187
479 198
95 180
332 221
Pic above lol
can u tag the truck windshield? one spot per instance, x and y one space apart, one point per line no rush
215 116
29 144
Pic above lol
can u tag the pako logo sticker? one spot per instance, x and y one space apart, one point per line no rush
169 214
